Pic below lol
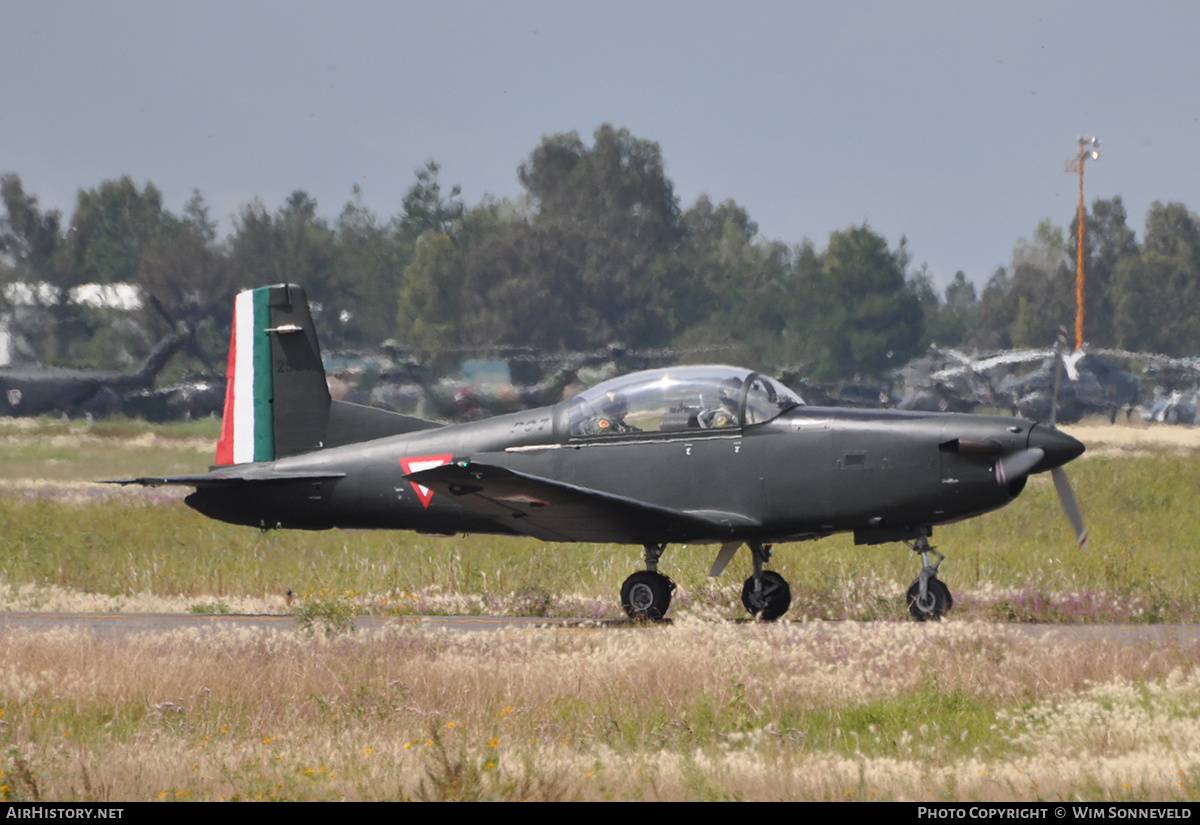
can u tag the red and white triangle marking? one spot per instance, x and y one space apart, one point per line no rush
416 463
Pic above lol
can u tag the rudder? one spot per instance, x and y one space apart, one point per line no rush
276 399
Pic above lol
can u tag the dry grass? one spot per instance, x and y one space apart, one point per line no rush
816 711
702 709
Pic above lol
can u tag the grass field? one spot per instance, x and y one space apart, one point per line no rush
65 540
700 709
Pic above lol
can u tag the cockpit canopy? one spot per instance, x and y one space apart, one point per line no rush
678 399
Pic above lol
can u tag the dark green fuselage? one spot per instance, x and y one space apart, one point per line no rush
884 475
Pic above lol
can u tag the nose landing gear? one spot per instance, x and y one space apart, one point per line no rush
765 594
928 597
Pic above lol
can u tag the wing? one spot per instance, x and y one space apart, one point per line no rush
554 511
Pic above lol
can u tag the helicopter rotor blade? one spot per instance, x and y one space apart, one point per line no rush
1059 346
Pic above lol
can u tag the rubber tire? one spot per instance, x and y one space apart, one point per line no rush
778 601
942 600
646 596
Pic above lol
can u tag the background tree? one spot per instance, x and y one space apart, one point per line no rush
368 262
1107 243
425 209
187 287
596 251
1025 305
30 250
29 238
993 330
111 226
858 315
577 272
428 264
958 313
721 287
293 245
1157 304
431 295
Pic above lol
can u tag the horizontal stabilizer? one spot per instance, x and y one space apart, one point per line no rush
234 474
354 423
554 511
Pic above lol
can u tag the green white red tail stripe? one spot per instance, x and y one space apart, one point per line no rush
247 430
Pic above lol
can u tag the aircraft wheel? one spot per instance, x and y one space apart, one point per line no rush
937 603
646 596
775 599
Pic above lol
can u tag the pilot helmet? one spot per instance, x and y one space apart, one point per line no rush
615 403
731 392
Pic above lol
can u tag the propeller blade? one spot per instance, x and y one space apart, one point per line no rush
1015 465
1067 496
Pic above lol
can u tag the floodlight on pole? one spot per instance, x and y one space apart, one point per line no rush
1089 149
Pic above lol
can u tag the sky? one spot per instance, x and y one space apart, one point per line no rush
948 123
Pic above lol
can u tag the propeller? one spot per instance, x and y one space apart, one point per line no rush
1066 496
1047 445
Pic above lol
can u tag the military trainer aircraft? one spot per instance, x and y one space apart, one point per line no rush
697 454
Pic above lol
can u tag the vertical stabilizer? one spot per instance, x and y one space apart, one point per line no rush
276 398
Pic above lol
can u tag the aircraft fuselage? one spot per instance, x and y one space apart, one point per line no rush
806 473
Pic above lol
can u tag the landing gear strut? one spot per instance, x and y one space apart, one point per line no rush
765 594
928 597
646 595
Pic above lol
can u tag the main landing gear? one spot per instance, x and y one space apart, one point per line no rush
646 595
928 597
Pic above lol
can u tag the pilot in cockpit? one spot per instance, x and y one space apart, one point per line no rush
724 414
614 408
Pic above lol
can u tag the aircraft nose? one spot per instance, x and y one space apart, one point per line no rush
1057 445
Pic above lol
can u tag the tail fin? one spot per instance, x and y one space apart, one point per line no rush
276 399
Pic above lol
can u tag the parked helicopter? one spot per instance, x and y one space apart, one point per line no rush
1064 387
701 454
36 389
39 390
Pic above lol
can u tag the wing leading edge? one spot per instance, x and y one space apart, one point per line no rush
555 511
